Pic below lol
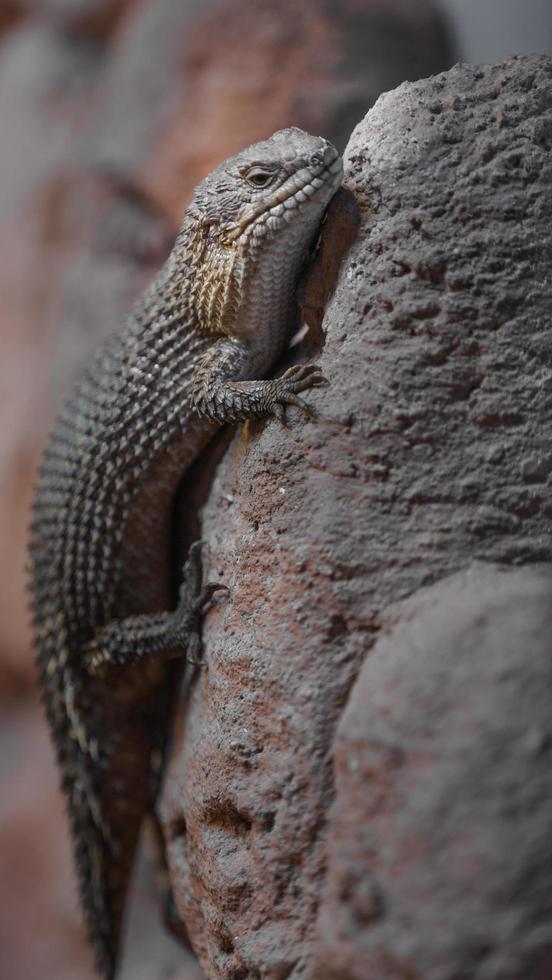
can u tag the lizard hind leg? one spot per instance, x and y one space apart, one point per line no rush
165 635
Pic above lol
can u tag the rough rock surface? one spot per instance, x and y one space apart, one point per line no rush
439 839
431 450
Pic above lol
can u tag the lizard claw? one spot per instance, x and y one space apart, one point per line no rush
297 379
195 600
279 410
191 572
193 652
205 599
195 596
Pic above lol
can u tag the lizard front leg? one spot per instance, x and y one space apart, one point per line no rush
136 639
219 392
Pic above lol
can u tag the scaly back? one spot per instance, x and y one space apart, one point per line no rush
100 538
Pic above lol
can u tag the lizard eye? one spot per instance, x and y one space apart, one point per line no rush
259 177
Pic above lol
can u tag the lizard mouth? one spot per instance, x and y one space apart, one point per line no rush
302 187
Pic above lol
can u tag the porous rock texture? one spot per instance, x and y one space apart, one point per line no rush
439 839
431 450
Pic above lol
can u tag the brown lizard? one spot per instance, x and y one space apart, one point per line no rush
217 316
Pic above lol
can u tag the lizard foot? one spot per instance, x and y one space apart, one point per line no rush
136 639
287 388
195 599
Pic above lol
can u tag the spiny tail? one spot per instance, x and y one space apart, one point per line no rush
102 859
105 733
93 860
84 768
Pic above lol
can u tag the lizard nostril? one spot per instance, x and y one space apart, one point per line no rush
317 159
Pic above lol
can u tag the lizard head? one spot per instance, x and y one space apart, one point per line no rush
260 191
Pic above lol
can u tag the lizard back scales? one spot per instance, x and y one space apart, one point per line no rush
191 356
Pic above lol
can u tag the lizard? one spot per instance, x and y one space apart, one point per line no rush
194 353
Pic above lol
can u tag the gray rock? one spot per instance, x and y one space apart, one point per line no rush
439 839
437 347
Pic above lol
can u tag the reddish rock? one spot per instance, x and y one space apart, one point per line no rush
41 926
94 19
10 11
228 74
42 78
439 846
430 451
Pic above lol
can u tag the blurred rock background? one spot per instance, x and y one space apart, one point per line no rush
110 113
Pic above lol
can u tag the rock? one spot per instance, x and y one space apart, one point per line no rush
40 929
439 847
39 891
218 82
436 347
92 19
42 80
9 14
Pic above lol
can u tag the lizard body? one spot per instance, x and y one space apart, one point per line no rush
215 319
